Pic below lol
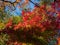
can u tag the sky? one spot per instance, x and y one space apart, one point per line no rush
18 11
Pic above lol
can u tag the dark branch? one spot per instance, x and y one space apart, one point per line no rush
12 3
34 3
9 1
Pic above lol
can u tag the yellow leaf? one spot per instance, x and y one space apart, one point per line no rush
2 25
24 44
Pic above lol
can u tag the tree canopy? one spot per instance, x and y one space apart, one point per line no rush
16 6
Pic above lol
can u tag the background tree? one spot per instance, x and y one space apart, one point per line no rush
13 5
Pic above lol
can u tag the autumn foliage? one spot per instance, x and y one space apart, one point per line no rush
36 23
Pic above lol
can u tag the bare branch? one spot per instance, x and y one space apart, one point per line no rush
34 3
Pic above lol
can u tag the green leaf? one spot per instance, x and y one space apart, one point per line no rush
3 38
17 19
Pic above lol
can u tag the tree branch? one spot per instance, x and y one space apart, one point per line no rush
12 3
34 3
